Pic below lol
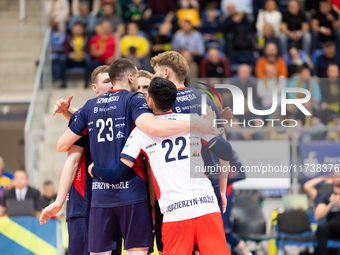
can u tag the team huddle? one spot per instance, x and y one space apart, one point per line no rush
143 148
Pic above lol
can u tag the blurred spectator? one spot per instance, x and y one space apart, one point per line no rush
188 10
295 29
238 134
84 17
329 208
22 190
330 91
318 186
295 60
271 56
76 53
212 29
237 30
245 6
133 39
103 45
193 66
139 62
116 22
57 13
304 80
336 6
214 66
49 195
312 6
325 24
245 80
116 4
5 181
162 40
270 82
144 79
267 37
160 11
135 11
94 6
330 56
270 16
313 124
189 39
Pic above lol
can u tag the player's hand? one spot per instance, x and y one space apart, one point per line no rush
227 114
224 202
49 212
61 106
211 115
203 125
90 169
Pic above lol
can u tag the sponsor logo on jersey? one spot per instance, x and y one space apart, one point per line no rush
107 99
120 125
151 152
195 154
126 145
150 146
120 134
144 106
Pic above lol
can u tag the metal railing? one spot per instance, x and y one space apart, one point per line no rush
38 107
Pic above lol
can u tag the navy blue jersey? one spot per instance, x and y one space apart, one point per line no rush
109 119
189 101
79 196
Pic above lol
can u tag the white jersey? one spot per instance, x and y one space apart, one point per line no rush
182 192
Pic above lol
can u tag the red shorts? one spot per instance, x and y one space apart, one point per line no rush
179 237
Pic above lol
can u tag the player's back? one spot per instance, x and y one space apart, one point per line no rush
109 119
182 188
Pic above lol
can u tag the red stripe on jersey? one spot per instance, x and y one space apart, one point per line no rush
79 179
138 167
181 88
155 183
204 142
85 132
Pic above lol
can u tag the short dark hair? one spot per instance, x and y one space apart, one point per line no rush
47 183
328 44
120 68
163 92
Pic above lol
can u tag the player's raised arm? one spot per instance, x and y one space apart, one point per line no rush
65 182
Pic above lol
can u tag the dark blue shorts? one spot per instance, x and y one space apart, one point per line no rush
77 236
132 221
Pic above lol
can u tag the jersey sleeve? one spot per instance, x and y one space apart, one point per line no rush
81 142
138 106
133 146
79 124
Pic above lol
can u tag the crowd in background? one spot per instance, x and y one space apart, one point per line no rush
255 43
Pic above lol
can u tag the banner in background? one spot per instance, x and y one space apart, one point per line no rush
318 158
25 236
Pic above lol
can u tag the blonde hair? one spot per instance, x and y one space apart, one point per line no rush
174 60
145 74
98 70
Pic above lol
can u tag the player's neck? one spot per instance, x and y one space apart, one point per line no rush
160 112
120 86
178 84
